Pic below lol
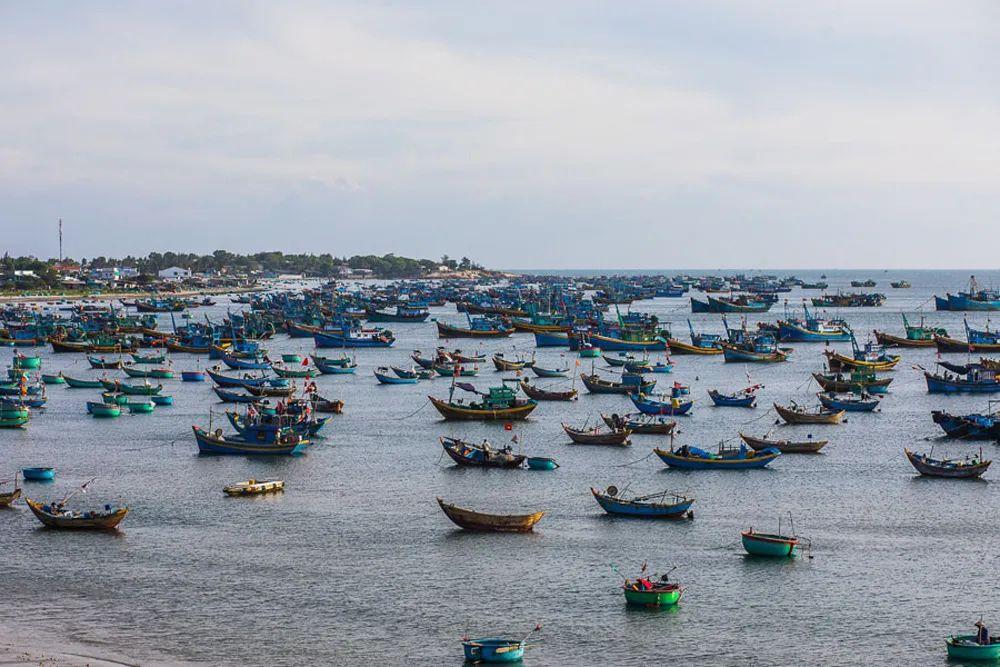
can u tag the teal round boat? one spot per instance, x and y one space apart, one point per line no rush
162 399
53 379
43 474
27 363
292 358
658 595
114 398
493 649
766 544
141 407
965 647
104 410
589 352
541 463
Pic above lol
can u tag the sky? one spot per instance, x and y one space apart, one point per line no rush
521 134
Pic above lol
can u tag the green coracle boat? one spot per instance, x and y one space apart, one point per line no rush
103 410
646 593
114 398
968 647
768 544
53 379
141 407
25 362
13 415
292 358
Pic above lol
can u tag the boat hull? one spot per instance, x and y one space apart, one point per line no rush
773 546
451 411
496 523
964 647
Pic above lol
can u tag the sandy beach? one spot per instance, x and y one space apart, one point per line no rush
18 655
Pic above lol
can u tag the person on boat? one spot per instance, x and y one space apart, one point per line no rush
982 633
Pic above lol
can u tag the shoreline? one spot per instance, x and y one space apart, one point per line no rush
50 298
18 654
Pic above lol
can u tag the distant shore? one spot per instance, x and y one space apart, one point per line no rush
115 296
14 655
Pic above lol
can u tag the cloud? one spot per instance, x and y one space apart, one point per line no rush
388 129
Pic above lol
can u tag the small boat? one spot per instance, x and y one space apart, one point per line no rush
618 437
494 649
541 463
503 364
412 373
454 369
745 398
967 468
796 414
102 363
39 474
549 372
153 360
859 381
631 383
727 458
292 358
192 376
649 592
230 396
54 515
483 456
320 404
539 394
873 357
978 647
650 406
104 410
7 498
74 383
216 443
973 426
498 404
254 487
768 544
160 373
162 399
976 379
847 402
53 379
385 376
271 392
285 371
641 423
141 407
916 336
663 505
661 367
500 523
784 446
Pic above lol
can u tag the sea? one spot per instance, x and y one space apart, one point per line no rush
355 564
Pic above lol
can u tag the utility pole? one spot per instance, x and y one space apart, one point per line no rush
60 240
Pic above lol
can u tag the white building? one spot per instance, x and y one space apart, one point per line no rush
174 273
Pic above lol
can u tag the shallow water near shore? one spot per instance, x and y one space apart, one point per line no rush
355 563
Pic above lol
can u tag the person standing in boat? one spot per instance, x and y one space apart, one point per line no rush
982 633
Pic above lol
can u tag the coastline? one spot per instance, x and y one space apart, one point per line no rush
49 298
19 654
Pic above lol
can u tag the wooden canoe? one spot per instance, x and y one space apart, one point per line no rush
452 411
640 423
497 523
79 520
888 340
801 416
6 499
785 446
503 364
680 347
531 391
595 436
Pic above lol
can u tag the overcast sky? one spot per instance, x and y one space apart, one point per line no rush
522 134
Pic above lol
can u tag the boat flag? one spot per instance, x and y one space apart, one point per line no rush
508 427
305 362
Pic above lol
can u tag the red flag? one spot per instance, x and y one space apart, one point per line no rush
305 362
508 427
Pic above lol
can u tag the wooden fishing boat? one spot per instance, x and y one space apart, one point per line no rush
271 392
503 364
499 523
159 373
343 366
144 389
889 340
450 331
663 505
254 487
55 516
967 468
539 394
859 381
7 498
631 383
549 372
230 381
726 458
385 376
483 456
977 380
784 446
641 423
768 544
973 426
597 436
499 403
216 443
847 402
25 362
796 414
320 404
153 359
39 474
650 406
455 369
412 373
101 362
740 399
680 347
646 592
840 362
741 354
230 396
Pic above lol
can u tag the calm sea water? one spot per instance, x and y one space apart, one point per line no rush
355 564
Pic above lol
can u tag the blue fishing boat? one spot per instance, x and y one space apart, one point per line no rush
745 398
660 367
649 406
229 396
727 458
974 426
216 443
43 474
385 376
482 456
551 339
977 380
263 427
663 505
254 363
976 340
246 380
193 376
849 402
975 298
343 366
752 347
349 337
737 304
549 372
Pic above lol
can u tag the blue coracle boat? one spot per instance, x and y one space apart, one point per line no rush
39 474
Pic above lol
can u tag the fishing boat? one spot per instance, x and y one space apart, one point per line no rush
478 328
641 423
796 414
328 366
873 358
742 303
230 396
412 373
499 523
812 329
54 515
39 474
245 381
976 340
104 410
192 376
631 383
159 373
539 394
847 402
618 437
499 403
650 406
455 369
648 592
353 338
161 399
271 392
966 468
141 407
974 426
662 505
53 379
688 457
701 343
284 371
254 487
7 498
761 349
320 404
975 298
541 463
976 380
153 359
744 398
551 339
549 372
102 363
769 544
385 376
916 336
858 381
979 647
144 389
483 456
289 443
809 446
503 364
14 413
403 313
